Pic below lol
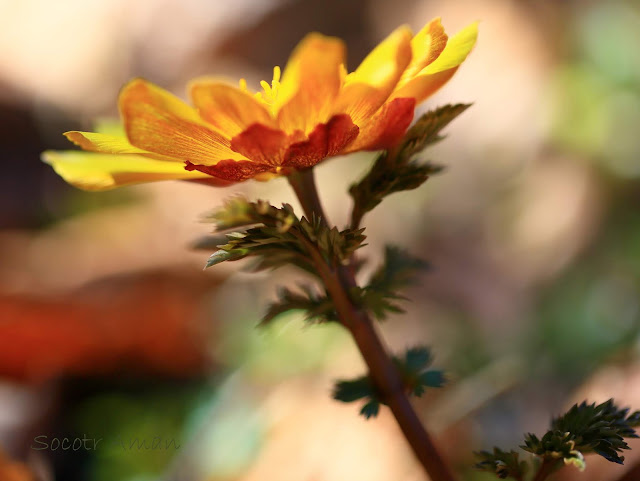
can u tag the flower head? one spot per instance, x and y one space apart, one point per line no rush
314 110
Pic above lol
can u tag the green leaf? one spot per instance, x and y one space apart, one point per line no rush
370 410
412 370
335 245
433 379
236 212
378 304
275 237
397 169
239 212
386 178
353 390
411 367
417 358
398 270
426 131
504 464
318 307
587 428
222 255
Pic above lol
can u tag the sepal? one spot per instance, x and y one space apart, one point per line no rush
276 237
318 307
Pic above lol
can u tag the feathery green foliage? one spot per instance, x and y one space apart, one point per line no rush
586 428
398 270
317 307
379 297
398 169
504 464
277 237
412 367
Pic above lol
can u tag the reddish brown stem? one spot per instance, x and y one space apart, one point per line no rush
338 281
547 468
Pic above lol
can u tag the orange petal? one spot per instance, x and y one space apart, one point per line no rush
93 171
261 144
367 88
326 140
426 46
438 72
232 170
228 108
310 83
159 122
424 86
387 126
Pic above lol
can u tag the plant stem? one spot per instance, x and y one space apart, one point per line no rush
546 468
338 281
356 218
304 185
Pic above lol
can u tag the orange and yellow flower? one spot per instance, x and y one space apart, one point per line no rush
316 110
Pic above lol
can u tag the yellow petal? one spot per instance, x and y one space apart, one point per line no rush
228 108
108 144
109 126
367 88
438 72
159 122
93 171
456 51
109 138
310 83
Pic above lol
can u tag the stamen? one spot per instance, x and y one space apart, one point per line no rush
266 87
243 84
269 92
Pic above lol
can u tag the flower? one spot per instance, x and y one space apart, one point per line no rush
316 110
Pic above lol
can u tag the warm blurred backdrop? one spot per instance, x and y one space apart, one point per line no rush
110 329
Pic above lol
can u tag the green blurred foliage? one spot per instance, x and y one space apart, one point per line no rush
593 310
596 92
141 431
279 350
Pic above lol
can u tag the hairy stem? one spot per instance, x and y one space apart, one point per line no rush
338 281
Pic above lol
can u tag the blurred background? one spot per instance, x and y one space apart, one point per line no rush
111 332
